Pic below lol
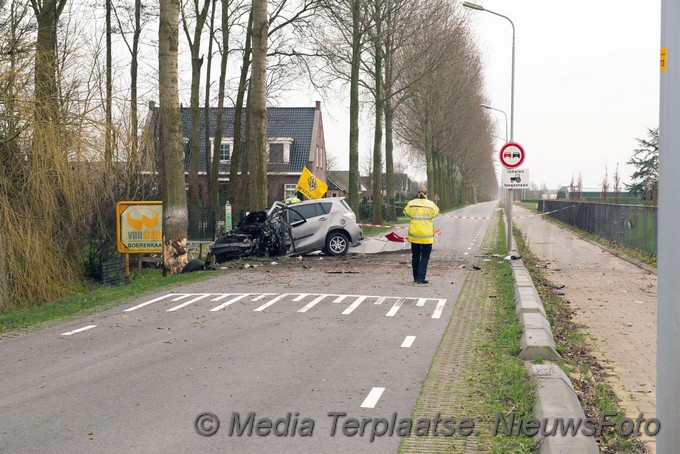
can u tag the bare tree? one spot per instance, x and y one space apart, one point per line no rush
256 128
199 14
175 216
617 185
605 185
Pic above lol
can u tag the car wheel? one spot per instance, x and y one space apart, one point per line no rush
337 244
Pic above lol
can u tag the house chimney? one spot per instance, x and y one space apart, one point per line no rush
152 105
318 105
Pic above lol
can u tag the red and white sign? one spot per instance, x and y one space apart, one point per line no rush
512 155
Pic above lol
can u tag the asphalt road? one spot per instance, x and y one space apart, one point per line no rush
275 353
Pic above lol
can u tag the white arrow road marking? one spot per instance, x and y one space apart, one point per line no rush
79 330
231 301
372 398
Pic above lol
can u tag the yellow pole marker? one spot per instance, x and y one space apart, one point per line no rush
664 53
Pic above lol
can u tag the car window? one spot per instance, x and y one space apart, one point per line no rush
326 206
309 211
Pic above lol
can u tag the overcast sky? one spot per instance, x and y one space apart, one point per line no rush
586 84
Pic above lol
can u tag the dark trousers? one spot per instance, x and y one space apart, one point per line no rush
420 256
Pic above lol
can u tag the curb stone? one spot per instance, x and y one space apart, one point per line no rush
556 400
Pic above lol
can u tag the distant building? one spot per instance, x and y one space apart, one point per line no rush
295 139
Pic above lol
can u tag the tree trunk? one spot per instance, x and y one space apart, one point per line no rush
134 126
378 131
354 183
196 63
236 190
171 144
213 189
257 128
108 140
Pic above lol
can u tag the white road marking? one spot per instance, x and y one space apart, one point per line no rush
439 309
258 298
408 341
190 298
396 307
231 301
313 303
354 305
223 296
266 305
372 398
139 306
172 309
79 330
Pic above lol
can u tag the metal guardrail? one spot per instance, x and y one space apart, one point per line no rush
634 226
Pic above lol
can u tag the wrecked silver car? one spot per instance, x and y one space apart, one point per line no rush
327 225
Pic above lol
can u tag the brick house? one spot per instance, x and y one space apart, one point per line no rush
295 139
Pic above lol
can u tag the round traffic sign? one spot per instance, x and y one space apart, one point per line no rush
512 155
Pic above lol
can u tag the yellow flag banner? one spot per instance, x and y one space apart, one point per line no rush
310 186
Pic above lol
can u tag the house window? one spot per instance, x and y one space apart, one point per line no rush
225 151
288 190
276 152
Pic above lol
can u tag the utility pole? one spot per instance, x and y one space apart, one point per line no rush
668 285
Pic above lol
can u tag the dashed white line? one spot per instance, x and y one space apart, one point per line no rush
180 306
139 306
354 305
372 398
396 307
439 309
231 301
264 295
313 303
79 330
266 305
408 341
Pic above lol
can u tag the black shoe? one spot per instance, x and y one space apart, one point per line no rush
422 282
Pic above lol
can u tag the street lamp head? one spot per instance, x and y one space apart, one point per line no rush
473 6
485 106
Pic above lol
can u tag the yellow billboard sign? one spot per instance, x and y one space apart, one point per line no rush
139 227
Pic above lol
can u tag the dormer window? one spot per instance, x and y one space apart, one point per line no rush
225 152
279 149
276 152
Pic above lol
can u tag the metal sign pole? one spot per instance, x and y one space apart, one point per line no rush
668 285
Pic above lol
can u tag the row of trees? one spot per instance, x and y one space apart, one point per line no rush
70 84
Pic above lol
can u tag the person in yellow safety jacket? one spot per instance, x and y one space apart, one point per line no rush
421 233
295 198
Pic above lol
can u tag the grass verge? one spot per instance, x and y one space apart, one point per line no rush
97 299
504 383
586 372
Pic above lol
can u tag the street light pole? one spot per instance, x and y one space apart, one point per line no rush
508 202
504 114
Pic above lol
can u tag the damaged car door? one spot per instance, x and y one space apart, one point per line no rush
308 226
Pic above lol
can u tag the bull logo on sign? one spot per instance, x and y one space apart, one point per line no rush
311 181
